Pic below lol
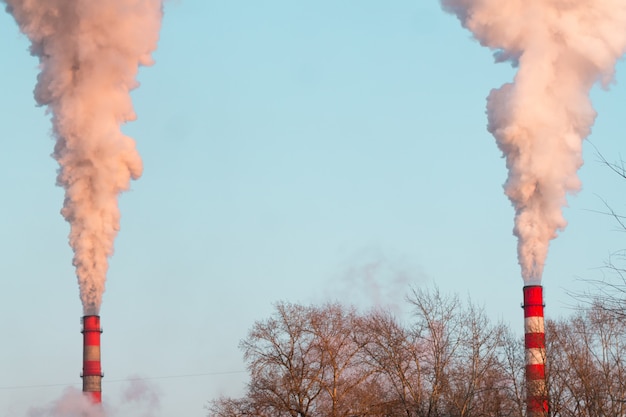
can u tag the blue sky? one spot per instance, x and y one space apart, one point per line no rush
299 151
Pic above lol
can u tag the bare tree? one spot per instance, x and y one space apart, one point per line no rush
451 361
339 338
512 365
394 353
284 362
438 327
305 361
476 377
586 373
330 361
609 291
244 407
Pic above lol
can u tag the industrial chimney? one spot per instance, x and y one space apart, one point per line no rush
92 371
535 344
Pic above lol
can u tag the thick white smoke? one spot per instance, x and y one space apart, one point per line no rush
562 48
89 52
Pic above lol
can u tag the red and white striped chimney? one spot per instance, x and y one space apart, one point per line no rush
92 371
535 344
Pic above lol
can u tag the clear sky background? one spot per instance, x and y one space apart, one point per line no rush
293 150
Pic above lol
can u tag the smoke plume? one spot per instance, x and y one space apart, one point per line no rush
89 53
372 278
72 403
561 48
138 398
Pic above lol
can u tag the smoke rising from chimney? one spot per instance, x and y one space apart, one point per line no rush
562 48
89 53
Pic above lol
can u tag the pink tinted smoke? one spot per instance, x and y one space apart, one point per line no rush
562 48
89 54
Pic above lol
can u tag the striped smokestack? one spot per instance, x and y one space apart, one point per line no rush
535 344
92 371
